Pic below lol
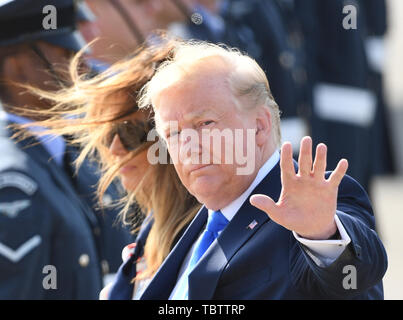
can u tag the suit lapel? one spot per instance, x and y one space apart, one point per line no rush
204 278
165 279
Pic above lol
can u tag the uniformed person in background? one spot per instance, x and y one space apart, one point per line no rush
320 73
54 241
375 25
343 106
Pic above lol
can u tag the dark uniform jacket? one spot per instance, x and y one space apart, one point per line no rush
52 244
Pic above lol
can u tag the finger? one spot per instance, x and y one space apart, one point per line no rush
305 156
320 163
338 174
286 162
264 203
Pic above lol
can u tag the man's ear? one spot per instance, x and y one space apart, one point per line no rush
263 126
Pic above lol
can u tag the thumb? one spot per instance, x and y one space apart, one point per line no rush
264 203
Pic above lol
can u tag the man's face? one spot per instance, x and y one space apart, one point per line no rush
199 105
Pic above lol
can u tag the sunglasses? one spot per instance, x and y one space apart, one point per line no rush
132 134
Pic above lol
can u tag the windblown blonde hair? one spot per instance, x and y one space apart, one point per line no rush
245 77
86 110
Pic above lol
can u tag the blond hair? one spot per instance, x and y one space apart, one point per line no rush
87 109
244 76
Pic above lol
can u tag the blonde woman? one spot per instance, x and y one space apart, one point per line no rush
101 115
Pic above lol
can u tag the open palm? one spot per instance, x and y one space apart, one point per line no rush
308 200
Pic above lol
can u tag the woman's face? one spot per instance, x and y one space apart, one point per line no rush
133 171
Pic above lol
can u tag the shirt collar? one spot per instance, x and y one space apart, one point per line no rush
55 145
230 210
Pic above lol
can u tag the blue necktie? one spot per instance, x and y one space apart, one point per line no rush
216 222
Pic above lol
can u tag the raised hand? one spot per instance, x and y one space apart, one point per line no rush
308 201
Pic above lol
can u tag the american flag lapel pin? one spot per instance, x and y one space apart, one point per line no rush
252 225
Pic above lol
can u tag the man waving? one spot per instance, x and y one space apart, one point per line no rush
283 230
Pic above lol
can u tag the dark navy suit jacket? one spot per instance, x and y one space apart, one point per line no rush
122 286
267 262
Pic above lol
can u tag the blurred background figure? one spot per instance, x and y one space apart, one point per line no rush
375 28
393 85
345 106
56 241
118 26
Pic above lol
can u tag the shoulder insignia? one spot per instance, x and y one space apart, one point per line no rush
16 255
11 209
18 180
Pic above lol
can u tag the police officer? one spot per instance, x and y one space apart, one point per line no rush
53 244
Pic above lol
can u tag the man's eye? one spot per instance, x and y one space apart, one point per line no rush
206 123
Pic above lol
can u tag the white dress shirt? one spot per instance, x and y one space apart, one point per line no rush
322 252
